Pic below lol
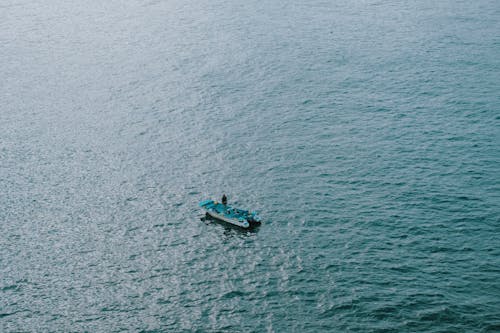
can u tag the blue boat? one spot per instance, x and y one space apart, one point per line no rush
239 217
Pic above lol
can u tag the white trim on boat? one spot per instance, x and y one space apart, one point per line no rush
243 224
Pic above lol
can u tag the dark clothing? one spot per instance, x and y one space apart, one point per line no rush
224 199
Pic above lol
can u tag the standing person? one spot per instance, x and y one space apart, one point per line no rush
224 199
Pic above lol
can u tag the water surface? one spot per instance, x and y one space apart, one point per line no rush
366 133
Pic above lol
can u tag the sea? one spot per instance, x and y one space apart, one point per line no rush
365 133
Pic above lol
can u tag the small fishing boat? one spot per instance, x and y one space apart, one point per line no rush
239 217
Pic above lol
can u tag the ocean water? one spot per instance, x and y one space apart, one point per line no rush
366 133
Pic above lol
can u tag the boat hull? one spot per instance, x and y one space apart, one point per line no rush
235 216
242 224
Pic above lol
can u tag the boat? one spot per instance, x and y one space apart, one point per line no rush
239 217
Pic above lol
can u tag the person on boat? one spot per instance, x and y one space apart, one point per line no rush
224 199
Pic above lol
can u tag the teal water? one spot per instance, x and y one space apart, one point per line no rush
366 133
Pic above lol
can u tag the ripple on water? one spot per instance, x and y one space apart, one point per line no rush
371 153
